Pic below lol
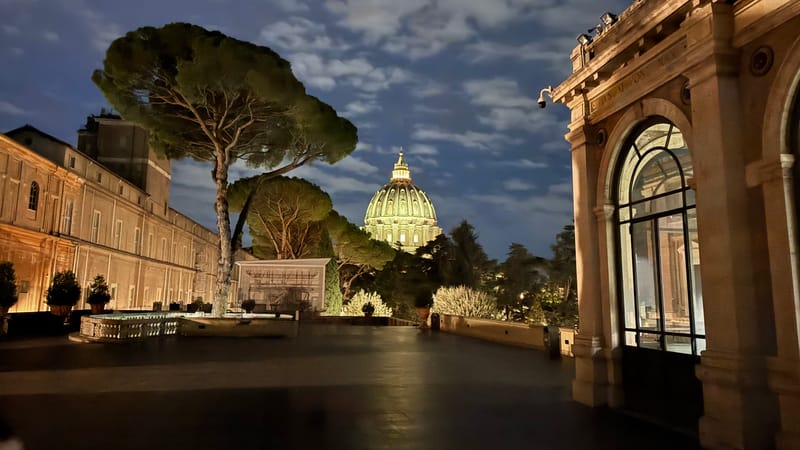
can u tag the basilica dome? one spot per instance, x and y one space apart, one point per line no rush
401 213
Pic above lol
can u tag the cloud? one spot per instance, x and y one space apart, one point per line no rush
423 149
430 110
425 161
10 30
12 109
421 28
17 51
51 36
506 107
515 184
291 6
359 108
299 34
334 184
102 31
355 165
358 72
554 52
468 139
428 88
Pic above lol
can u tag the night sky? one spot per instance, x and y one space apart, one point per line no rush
452 82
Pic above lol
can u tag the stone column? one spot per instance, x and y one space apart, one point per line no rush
591 385
776 179
739 410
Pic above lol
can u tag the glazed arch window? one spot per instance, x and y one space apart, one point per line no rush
33 197
658 246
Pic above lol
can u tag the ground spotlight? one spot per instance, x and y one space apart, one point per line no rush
584 39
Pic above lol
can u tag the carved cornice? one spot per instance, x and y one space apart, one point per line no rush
637 30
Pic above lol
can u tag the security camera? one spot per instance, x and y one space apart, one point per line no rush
549 91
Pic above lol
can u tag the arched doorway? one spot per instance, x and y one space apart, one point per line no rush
658 256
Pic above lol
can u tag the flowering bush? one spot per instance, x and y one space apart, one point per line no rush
355 307
464 301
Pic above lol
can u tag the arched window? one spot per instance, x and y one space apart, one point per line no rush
659 253
33 198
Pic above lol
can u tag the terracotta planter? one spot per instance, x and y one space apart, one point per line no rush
60 310
422 314
98 308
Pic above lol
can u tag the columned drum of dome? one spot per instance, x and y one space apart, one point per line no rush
401 213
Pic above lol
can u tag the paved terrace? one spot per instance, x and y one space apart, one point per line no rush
332 387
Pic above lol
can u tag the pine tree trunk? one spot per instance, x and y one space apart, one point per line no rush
224 260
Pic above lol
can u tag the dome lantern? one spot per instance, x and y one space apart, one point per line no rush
401 172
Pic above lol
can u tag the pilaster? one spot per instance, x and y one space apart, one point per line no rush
591 385
777 182
739 410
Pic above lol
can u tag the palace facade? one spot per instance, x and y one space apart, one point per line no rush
685 130
102 208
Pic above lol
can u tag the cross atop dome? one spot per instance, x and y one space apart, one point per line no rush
401 172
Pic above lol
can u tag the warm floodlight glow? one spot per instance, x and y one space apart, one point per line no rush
584 39
608 19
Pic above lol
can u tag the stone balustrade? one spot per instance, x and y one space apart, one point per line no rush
124 327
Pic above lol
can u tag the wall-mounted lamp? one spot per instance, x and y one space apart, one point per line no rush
608 19
549 91
584 39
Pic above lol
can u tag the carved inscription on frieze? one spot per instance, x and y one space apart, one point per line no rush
631 85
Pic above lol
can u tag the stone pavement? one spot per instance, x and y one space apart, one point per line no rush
332 387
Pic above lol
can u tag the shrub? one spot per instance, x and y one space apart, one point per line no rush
64 290
98 292
464 301
356 304
8 285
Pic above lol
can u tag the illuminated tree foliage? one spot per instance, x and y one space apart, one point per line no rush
285 217
521 275
356 252
209 97
464 301
355 306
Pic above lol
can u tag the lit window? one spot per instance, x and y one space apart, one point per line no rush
416 238
389 237
402 237
117 233
33 198
95 226
658 248
137 240
66 228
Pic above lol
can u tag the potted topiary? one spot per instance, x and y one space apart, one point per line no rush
249 305
195 306
368 309
99 295
423 302
63 293
8 293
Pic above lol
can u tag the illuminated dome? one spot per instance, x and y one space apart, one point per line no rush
401 212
